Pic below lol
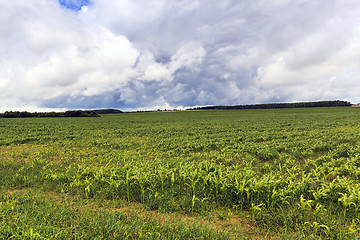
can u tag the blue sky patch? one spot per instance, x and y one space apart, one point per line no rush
74 5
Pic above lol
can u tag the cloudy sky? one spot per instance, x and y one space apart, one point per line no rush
141 54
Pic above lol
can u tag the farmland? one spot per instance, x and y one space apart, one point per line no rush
222 174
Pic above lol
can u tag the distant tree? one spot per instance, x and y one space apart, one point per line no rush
336 103
78 113
107 111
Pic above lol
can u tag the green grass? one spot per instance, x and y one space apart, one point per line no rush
280 173
33 215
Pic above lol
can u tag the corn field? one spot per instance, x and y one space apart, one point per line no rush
293 170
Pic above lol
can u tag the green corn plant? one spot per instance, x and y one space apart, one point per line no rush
273 199
88 183
240 191
128 183
248 194
207 183
193 180
161 175
172 182
355 194
284 198
320 194
261 188
318 208
354 229
325 174
218 181
346 201
305 204
316 227
142 180
255 208
330 188
193 201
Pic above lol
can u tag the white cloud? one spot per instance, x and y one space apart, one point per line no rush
188 56
157 72
59 55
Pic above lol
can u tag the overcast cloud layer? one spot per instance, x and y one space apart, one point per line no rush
141 54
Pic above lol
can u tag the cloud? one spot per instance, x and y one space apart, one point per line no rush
153 54
61 58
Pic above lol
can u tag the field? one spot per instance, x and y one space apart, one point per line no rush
226 174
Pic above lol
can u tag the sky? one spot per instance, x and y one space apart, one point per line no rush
163 54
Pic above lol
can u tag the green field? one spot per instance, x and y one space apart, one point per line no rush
226 174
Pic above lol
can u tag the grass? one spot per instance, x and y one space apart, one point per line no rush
29 214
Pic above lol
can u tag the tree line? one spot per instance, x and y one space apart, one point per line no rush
336 103
107 111
24 114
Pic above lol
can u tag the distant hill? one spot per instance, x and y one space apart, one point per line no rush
336 103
